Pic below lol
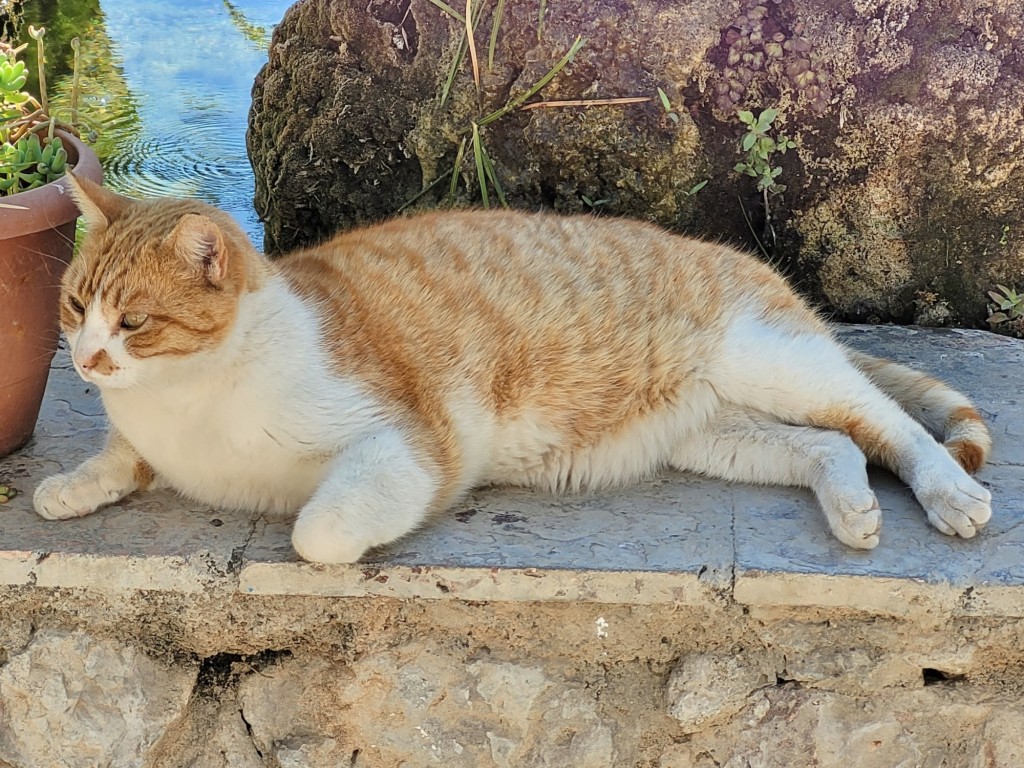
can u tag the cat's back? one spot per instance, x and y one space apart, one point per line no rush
523 266
465 285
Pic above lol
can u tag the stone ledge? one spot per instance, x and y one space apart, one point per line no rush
676 540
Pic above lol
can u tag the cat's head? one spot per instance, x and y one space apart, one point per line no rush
157 284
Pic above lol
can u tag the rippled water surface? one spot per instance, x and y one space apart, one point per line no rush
167 86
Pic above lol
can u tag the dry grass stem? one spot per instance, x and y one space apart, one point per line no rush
472 44
587 102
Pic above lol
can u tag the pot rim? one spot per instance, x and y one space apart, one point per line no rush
51 205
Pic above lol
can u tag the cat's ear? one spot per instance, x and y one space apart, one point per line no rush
200 242
99 206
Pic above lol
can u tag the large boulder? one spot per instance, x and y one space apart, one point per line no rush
900 201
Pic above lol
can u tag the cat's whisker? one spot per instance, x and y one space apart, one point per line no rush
47 255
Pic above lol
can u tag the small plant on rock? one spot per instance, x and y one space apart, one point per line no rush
760 148
1007 305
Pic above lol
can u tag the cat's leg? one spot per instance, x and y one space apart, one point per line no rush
805 378
748 447
109 476
377 490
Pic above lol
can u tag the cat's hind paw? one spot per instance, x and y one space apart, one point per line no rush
957 506
855 518
61 497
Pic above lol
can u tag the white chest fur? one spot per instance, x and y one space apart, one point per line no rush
260 420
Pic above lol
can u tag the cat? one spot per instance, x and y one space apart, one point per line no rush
369 382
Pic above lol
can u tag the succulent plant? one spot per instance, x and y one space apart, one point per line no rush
29 163
30 154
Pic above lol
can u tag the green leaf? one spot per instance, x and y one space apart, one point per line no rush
748 141
697 187
59 163
746 117
673 117
664 100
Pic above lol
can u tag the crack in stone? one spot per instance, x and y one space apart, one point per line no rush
238 553
72 408
735 553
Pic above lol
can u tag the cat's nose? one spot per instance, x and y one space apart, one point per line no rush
88 363
97 362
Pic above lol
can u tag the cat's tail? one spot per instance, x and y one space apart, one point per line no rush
938 407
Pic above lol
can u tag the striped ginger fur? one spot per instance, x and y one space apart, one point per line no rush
942 410
367 383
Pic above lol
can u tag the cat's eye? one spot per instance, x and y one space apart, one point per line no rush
76 305
131 321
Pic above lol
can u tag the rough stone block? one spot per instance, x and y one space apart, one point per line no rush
708 688
75 701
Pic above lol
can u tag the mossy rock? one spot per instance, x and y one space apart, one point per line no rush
902 199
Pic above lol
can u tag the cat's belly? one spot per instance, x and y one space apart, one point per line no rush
245 467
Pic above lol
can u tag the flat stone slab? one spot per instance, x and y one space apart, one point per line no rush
677 539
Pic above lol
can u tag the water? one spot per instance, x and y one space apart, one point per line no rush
167 87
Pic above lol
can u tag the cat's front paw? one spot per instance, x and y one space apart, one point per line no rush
61 497
322 537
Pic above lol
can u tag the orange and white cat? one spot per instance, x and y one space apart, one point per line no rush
371 381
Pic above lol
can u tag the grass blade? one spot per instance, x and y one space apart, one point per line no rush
423 191
540 18
460 54
456 170
493 177
450 11
518 100
453 70
478 153
750 226
499 12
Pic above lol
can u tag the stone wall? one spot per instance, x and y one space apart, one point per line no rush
380 683
903 196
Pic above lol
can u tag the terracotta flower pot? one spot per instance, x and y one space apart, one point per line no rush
36 243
